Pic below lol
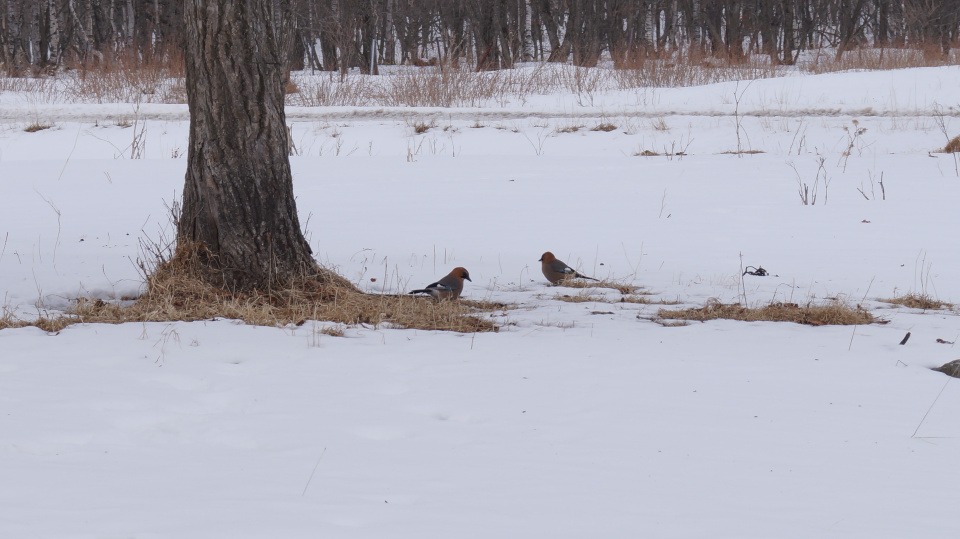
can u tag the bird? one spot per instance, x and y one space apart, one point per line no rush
556 271
449 287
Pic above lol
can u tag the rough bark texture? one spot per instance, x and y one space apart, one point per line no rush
238 196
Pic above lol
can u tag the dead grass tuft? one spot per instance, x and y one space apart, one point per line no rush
919 301
645 300
420 127
741 152
589 296
583 297
46 322
646 153
953 146
834 313
621 287
37 126
607 127
569 129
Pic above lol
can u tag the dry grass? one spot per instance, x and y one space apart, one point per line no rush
583 297
420 127
689 67
918 301
605 126
834 313
877 59
645 300
619 286
589 296
953 146
569 129
37 126
129 79
176 292
46 322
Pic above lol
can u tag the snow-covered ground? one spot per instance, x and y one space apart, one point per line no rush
576 419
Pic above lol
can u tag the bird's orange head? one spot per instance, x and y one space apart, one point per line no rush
547 257
461 273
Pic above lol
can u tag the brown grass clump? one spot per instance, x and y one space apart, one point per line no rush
606 126
570 129
50 324
834 313
623 288
175 290
583 297
953 146
421 127
741 152
919 301
37 126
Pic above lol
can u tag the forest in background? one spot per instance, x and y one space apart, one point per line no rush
39 36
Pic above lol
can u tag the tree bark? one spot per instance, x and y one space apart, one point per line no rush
238 202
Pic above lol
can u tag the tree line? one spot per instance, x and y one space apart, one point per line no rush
37 35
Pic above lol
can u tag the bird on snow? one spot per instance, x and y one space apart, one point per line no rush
556 271
448 287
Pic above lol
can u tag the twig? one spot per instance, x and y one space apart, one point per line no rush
315 466
65 163
852 334
914 435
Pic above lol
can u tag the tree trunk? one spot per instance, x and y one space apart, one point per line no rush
528 53
238 199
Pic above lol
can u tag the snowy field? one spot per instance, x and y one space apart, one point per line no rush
576 420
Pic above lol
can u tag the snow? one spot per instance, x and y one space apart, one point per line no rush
576 419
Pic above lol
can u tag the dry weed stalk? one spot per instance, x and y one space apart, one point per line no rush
834 313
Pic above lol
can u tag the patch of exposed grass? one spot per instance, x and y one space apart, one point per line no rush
953 146
621 287
606 126
833 313
659 124
420 127
333 331
569 129
583 297
175 291
742 152
37 126
47 322
645 300
645 153
918 301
